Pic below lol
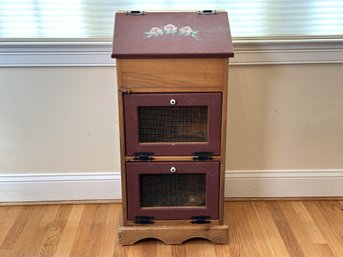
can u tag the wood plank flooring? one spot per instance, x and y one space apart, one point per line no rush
256 228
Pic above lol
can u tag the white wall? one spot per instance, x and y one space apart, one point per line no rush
283 119
58 120
286 117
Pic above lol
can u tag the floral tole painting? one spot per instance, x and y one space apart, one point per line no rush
171 29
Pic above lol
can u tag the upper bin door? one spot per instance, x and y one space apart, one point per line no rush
173 123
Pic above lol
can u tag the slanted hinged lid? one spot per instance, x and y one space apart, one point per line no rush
201 34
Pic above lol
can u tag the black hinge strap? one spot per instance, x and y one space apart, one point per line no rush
143 156
200 219
202 156
144 219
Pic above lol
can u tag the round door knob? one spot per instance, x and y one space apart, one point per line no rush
172 169
172 101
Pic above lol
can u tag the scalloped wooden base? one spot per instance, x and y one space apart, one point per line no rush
128 235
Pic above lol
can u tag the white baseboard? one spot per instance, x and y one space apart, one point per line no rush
59 187
284 183
106 186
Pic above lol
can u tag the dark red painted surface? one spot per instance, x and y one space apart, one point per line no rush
133 101
188 35
210 168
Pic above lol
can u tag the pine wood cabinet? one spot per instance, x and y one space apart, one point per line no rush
172 70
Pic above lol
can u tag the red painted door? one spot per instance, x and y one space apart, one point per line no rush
172 190
173 123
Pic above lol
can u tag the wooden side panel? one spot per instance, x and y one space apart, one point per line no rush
223 141
122 153
173 75
122 142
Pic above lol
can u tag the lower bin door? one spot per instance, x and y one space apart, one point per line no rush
172 190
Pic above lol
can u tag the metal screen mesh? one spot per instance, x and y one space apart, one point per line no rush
167 190
172 124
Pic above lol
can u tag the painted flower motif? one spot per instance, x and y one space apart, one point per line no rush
170 29
187 31
154 31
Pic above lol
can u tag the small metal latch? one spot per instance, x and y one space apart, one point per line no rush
144 219
136 13
143 156
200 219
208 12
202 156
124 90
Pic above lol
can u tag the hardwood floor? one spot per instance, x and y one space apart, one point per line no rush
257 228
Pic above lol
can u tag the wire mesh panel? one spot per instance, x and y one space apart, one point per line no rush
171 190
173 124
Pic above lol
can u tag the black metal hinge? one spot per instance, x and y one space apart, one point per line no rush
200 219
135 13
144 219
143 156
202 156
207 12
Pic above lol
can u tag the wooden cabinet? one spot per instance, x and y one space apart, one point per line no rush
172 70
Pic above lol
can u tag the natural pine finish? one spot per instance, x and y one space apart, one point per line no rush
256 228
173 234
172 75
